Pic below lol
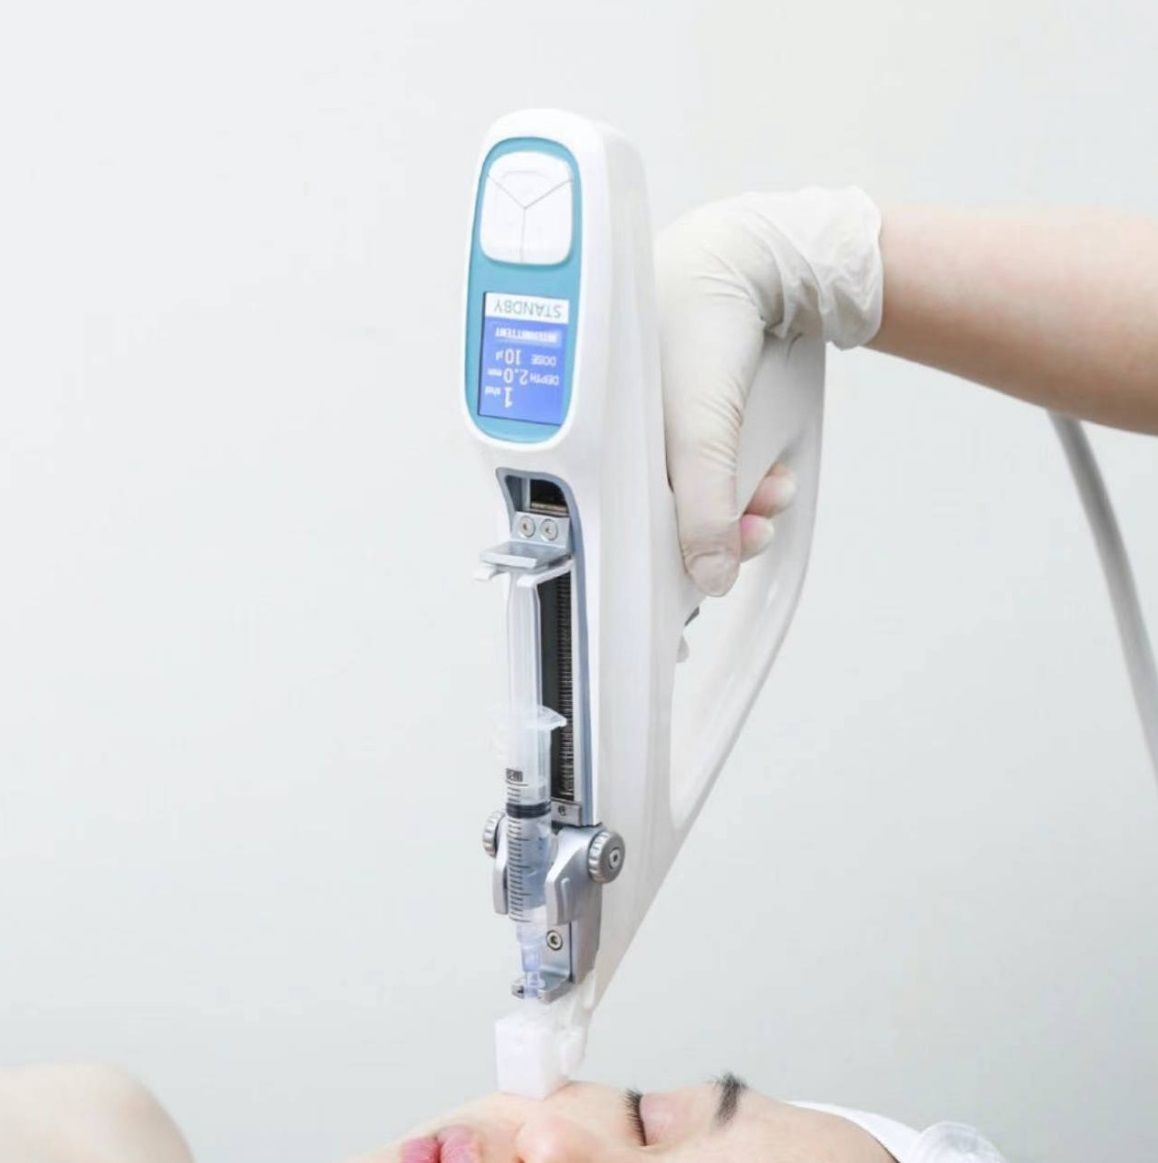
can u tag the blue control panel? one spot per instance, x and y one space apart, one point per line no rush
524 358
523 290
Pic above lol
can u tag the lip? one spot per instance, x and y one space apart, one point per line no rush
455 1144
424 1150
458 1145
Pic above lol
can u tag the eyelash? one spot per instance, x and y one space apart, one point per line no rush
633 1099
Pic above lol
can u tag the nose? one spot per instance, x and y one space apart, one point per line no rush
550 1138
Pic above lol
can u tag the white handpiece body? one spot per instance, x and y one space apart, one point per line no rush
568 417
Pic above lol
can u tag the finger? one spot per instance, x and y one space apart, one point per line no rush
774 493
756 534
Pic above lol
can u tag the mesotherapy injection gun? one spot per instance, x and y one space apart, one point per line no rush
614 740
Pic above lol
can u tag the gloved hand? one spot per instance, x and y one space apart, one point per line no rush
729 274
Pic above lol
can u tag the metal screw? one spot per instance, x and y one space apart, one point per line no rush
526 527
549 529
554 940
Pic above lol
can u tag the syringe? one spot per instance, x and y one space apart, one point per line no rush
528 781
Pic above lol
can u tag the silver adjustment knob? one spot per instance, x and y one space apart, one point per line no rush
605 856
490 832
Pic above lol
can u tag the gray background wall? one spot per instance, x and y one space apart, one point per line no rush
246 682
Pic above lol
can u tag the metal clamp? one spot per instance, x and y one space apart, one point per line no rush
583 860
537 543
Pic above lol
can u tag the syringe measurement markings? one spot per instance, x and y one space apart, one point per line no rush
566 736
524 864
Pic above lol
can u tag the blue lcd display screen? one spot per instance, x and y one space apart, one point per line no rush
522 373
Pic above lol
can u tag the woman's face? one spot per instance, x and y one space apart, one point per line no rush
584 1123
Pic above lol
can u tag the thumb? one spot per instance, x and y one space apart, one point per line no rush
711 334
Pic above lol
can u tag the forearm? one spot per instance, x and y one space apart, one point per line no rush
1060 309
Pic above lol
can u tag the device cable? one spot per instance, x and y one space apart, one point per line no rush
1119 576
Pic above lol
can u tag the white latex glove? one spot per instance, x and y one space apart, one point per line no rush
729 274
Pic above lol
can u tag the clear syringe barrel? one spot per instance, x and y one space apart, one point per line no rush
528 806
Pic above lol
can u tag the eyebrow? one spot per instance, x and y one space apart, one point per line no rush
730 1090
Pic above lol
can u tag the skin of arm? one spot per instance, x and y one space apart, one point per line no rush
1058 307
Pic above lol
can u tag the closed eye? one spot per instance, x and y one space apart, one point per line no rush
730 1090
633 1100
